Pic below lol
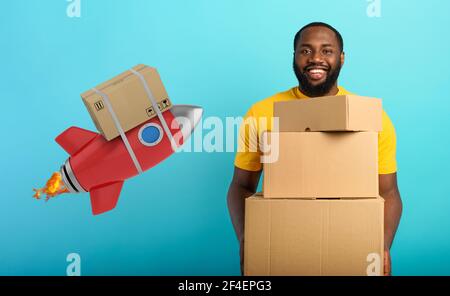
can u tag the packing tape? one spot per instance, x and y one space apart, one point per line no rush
119 129
155 107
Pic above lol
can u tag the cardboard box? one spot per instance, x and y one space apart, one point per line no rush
129 100
323 165
331 113
313 237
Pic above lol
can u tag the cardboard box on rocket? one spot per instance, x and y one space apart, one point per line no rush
128 99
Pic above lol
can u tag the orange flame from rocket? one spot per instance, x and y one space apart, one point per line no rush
54 186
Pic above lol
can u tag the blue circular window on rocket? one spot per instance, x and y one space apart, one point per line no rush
150 134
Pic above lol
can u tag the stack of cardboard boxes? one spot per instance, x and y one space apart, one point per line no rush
320 212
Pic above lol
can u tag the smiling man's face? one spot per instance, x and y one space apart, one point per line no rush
317 61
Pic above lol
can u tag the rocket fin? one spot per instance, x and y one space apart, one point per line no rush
104 198
74 138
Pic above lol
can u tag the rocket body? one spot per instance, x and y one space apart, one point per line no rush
100 167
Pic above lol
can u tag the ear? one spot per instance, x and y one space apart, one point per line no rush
342 58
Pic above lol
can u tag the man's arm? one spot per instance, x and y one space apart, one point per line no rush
243 185
392 212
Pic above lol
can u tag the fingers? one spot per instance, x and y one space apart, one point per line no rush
387 263
241 255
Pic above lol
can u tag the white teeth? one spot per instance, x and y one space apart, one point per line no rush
317 71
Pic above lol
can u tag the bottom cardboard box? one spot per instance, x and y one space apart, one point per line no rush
313 237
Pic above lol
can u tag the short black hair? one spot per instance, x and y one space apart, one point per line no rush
320 24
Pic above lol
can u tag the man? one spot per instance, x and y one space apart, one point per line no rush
318 58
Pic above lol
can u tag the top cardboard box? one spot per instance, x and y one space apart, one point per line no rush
331 113
129 101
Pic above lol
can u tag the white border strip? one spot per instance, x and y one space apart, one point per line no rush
71 177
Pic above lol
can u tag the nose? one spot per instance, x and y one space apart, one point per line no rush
315 57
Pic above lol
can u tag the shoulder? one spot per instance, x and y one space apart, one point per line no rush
265 107
387 125
344 91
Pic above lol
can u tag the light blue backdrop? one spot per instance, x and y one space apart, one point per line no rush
224 56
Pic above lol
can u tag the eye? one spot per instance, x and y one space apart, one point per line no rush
305 51
150 134
327 51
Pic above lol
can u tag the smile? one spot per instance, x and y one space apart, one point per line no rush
316 73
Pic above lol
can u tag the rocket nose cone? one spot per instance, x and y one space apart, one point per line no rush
193 113
188 117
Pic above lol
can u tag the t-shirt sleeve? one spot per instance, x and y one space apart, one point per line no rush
387 145
248 155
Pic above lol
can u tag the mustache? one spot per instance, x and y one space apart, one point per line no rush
321 89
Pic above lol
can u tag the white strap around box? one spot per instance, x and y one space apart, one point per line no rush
155 107
120 129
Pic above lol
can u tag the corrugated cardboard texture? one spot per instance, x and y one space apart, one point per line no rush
323 165
313 237
128 99
331 113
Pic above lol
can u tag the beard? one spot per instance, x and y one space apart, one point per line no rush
317 90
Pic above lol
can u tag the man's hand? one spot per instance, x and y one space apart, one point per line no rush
387 263
392 213
241 254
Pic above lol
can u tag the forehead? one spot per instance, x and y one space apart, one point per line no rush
317 36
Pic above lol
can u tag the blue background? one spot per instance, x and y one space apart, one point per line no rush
224 56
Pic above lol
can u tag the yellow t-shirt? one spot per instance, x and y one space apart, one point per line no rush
259 119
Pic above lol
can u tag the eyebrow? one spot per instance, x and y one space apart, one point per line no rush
323 45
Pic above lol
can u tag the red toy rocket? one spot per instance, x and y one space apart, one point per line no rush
100 167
